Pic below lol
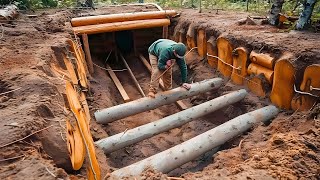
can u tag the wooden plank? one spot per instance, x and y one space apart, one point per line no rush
118 84
180 104
87 51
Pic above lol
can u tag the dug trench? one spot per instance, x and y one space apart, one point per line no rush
288 147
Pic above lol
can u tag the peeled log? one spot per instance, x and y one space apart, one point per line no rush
191 37
140 133
264 60
212 50
191 149
144 104
202 43
257 69
240 59
310 78
110 18
225 53
282 88
121 26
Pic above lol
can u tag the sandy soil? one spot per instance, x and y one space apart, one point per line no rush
288 148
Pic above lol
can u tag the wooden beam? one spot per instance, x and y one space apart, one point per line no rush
87 51
180 104
118 84
132 75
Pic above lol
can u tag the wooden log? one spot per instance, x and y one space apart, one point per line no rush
88 53
77 50
136 83
93 168
180 104
121 26
193 148
140 133
202 43
261 59
144 104
282 88
191 37
225 49
212 50
110 18
310 79
118 84
240 59
257 69
258 85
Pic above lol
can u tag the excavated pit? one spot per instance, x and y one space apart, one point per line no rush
286 148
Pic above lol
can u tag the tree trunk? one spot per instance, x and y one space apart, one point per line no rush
191 149
144 104
304 19
274 13
140 133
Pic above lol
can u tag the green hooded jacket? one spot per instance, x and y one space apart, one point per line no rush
162 48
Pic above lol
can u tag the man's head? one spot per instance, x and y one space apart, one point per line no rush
179 50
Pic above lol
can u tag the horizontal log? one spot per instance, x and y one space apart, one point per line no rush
178 155
121 26
257 69
264 60
140 133
144 104
110 18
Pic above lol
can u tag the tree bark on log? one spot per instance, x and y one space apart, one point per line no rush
140 133
144 104
191 149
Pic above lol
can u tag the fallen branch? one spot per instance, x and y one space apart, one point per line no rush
25 137
2 160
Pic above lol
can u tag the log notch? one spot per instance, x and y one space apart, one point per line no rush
202 43
225 49
140 133
102 19
240 59
212 49
193 148
144 104
309 82
191 36
121 26
262 59
282 88
257 69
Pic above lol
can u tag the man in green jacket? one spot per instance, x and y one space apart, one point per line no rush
162 54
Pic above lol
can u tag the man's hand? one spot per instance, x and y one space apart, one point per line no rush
186 86
168 63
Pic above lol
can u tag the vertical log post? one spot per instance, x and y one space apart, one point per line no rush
88 54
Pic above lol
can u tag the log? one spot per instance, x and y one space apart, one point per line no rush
132 136
191 149
282 88
310 79
240 59
165 30
110 18
225 53
136 83
261 59
118 84
257 69
202 43
180 104
191 37
9 12
212 50
88 53
121 26
259 85
144 104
